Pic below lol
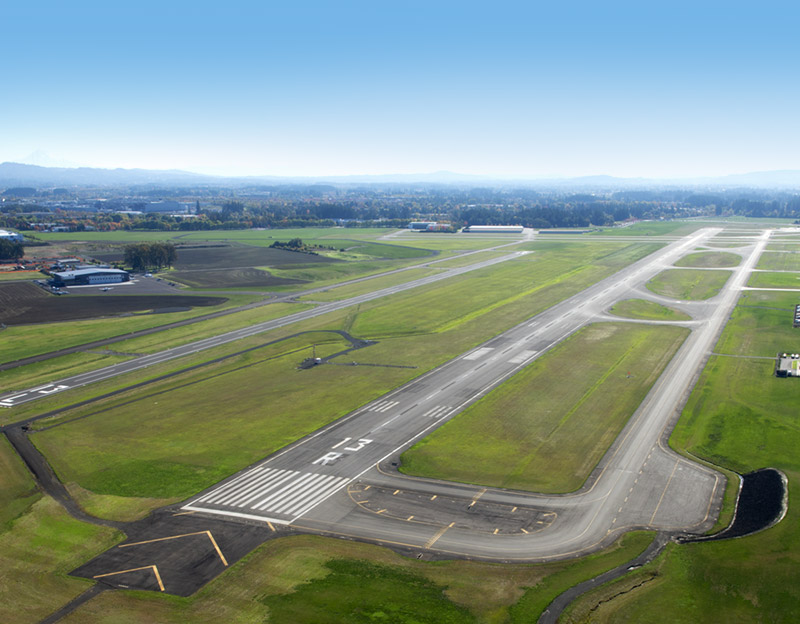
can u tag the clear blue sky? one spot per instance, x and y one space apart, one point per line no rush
529 89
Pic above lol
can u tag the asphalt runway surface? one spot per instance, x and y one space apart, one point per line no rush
320 482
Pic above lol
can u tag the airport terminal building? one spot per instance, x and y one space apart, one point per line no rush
88 277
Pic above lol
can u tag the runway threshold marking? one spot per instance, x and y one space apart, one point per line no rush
153 567
171 537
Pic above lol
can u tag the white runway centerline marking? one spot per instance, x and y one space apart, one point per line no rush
383 406
521 357
477 354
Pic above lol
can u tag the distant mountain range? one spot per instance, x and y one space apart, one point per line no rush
22 175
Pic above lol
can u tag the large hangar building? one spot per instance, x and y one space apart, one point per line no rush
89 277
494 229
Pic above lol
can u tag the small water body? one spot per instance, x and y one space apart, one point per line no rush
762 503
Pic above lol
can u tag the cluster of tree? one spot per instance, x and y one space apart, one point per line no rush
143 256
11 250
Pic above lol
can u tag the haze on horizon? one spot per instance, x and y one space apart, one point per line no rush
511 89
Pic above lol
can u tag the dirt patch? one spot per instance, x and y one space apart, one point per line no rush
231 278
227 257
25 303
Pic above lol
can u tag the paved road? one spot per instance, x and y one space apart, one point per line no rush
12 399
329 482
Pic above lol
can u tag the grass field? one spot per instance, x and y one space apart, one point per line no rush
761 325
39 544
710 260
779 261
653 228
16 276
178 457
647 310
337 293
765 279
741 417
688 284
307 579
545 429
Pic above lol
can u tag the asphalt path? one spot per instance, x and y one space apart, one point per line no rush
12 399
320 482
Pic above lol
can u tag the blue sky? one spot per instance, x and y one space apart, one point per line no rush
532 89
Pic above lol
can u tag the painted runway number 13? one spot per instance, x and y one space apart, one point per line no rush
357 446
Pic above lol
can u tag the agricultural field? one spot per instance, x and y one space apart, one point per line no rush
694 285
642 309
26 303
244 278
710 260
779 261
739 417
552 443
766 279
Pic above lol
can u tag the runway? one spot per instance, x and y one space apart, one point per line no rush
12 399
316 484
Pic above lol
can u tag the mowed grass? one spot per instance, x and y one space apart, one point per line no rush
741 417
26 340
170 423
642 309
445 305
710 260
688 284
17 489
76 363
766 279
652 228
39 545
546 428
303 579
778 261
761 325
203 426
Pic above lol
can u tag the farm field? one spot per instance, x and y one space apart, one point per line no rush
765 279
710 260
26 303
694 285
642 309
778 261
552 443
243 278
225 256
740 417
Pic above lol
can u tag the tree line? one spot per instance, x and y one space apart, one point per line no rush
143 256
11 250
